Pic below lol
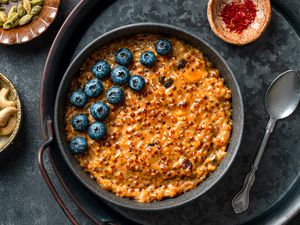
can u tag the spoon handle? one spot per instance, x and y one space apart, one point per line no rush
240 202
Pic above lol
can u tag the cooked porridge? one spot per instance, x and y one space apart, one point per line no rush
160 141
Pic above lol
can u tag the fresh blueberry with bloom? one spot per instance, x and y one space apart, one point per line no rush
93 88
120 75
147 58
124 57
80 122
163 47
101 69
99 110
115 95
78 98
78 145
137 83
96 130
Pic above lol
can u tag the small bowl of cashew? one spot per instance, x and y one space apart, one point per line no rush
10 113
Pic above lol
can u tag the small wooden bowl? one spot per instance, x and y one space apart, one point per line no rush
255 30
22 34
5 141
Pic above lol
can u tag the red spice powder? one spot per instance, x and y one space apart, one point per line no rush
238 15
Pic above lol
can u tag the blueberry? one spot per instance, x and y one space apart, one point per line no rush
163 47
93 88
115 95
99 110
96 130
147 58
137 83
124 57
78 98
78 145
101 69
80 122
120 75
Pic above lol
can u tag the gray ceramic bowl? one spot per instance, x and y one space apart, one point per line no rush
212 55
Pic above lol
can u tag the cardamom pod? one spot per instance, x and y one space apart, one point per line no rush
11 11
15 23
37 2
21 10
13 16
27 6
36 10
3 16
25 20
7 25
4 1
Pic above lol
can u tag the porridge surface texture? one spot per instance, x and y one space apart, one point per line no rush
168 138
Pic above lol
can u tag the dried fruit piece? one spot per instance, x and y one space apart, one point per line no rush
36 10
27 6
25 20
186 164
166 82
21 10
181 64
162 79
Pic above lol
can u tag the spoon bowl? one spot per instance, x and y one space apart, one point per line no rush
283 95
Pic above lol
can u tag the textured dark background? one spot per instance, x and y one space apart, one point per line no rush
24 198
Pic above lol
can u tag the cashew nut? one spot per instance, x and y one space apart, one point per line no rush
5 114
4 102
9 128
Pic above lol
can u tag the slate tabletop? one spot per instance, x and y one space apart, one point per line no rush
24 197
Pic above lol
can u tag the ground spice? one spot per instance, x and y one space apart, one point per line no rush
238 15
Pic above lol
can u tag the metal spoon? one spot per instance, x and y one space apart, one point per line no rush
281 100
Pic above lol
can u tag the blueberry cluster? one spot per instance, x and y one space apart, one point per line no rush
120 75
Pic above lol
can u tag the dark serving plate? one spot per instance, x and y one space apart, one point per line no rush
275 197
128 31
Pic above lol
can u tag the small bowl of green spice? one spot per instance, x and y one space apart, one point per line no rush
24 20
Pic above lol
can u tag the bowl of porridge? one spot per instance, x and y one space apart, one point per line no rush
149 116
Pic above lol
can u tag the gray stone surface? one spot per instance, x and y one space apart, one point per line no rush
25 199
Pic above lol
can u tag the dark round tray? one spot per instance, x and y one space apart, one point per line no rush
275 197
